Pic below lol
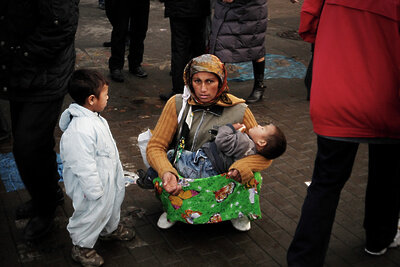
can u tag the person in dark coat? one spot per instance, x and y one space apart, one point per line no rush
37 58
129 18
188 23
238 34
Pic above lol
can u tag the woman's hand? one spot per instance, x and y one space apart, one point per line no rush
235 175
170 184
227 1
238 125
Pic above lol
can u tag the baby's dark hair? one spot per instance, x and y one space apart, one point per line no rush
276 145
85 82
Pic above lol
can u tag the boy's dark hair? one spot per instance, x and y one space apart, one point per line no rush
276 145
85 82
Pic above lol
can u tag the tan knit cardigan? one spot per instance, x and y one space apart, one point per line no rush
165 131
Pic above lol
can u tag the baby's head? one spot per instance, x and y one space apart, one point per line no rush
89 88
269 139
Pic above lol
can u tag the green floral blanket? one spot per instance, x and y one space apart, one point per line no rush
212 200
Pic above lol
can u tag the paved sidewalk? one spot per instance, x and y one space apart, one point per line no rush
134 106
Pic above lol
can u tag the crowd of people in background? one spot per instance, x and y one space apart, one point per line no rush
234 32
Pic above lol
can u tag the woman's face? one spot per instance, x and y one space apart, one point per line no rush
205 85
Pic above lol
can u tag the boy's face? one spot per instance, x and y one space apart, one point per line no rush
260 133
100 103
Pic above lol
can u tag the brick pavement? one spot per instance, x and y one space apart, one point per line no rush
134 107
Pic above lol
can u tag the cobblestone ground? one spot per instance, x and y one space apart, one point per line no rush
134 106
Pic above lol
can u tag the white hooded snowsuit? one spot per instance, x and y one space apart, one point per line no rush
92 173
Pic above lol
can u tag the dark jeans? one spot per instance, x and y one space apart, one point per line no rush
187 41
333 166
33 126
193 165
128 18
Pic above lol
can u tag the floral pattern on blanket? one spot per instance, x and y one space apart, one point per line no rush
211 200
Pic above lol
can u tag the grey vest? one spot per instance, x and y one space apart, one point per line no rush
206 118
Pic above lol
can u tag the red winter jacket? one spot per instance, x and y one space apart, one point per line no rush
356 79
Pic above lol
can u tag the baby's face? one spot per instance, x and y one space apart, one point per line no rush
261 132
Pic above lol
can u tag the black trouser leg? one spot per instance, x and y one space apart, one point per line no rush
33 126
187 41
198 37
382 200
139 18
119 18
180 52
333 166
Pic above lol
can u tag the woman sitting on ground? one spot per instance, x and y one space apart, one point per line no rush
209 105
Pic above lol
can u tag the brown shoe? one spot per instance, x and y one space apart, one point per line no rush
87 257
121 234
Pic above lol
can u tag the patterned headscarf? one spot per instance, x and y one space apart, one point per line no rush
212 64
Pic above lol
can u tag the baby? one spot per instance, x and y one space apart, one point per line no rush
231 143
92 170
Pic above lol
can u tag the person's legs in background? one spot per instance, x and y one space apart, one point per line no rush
258 87
180 51
118 15
33 125
187 41
333 166
139 19
382 200
198 37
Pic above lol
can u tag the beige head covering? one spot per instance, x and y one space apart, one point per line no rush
212 64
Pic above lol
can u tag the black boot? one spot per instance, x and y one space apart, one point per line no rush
259 87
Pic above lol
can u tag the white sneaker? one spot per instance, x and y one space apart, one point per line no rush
241 224
394 244
379 253
163 222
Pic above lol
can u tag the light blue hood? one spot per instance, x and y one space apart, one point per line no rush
74 110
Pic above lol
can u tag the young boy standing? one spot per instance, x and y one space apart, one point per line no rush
92 171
